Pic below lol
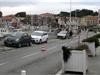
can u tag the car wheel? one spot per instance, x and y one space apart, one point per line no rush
19 45
40 41
46 40
30 43
65 37
6 44
57 37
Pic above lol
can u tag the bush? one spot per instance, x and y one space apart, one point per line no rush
96 43
66 53
93 39
97 36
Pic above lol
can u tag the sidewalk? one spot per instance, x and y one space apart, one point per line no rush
93 64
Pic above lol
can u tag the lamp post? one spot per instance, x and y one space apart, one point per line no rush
70 12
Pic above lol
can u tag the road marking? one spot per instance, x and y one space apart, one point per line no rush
48 50
30 55
2 64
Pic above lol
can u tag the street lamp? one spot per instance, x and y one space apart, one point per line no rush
70 12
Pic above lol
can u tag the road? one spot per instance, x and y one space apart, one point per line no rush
33 60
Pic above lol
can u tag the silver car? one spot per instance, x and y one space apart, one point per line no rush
63 34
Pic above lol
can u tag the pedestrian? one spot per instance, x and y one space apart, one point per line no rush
70 33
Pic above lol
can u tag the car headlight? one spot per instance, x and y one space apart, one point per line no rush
17 39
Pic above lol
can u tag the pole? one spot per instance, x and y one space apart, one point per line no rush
70 13
31 20
87 34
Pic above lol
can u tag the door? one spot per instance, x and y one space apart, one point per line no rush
45 36
25 39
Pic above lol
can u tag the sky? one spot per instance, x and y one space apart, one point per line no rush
43 6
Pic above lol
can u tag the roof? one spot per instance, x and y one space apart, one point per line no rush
9 18
40 31
47 14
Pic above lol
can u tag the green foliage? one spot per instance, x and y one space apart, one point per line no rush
95 14
97 36
27 20
63 13
92 39
79 13
97 43
21 14
80 47
0 14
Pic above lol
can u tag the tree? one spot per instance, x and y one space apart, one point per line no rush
95 14
80 13
63 13
21 14
27 19
0 14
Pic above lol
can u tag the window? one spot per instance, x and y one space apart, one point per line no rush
45 34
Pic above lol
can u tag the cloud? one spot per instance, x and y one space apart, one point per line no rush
10 3
42 6
13 10
53 1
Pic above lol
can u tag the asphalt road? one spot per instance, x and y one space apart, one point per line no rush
35 61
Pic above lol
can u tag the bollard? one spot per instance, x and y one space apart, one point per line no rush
23 72
44 47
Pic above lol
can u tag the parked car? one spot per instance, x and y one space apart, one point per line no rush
63 34
39 36
18 39
9 34
17 30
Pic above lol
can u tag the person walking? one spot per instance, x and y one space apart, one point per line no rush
70 33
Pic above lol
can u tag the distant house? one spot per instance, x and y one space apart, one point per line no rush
89 20
3 31
1 22
42 19
47 15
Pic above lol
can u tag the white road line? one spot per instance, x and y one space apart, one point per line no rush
30 55
2 64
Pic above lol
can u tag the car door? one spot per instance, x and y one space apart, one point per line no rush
25 38
22 40
44 36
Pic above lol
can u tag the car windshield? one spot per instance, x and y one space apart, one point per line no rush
37 33
17 35
14 30
63 32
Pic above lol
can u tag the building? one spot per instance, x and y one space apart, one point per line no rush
89 20
99 17
42 19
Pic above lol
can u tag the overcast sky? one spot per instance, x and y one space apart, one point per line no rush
43 6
